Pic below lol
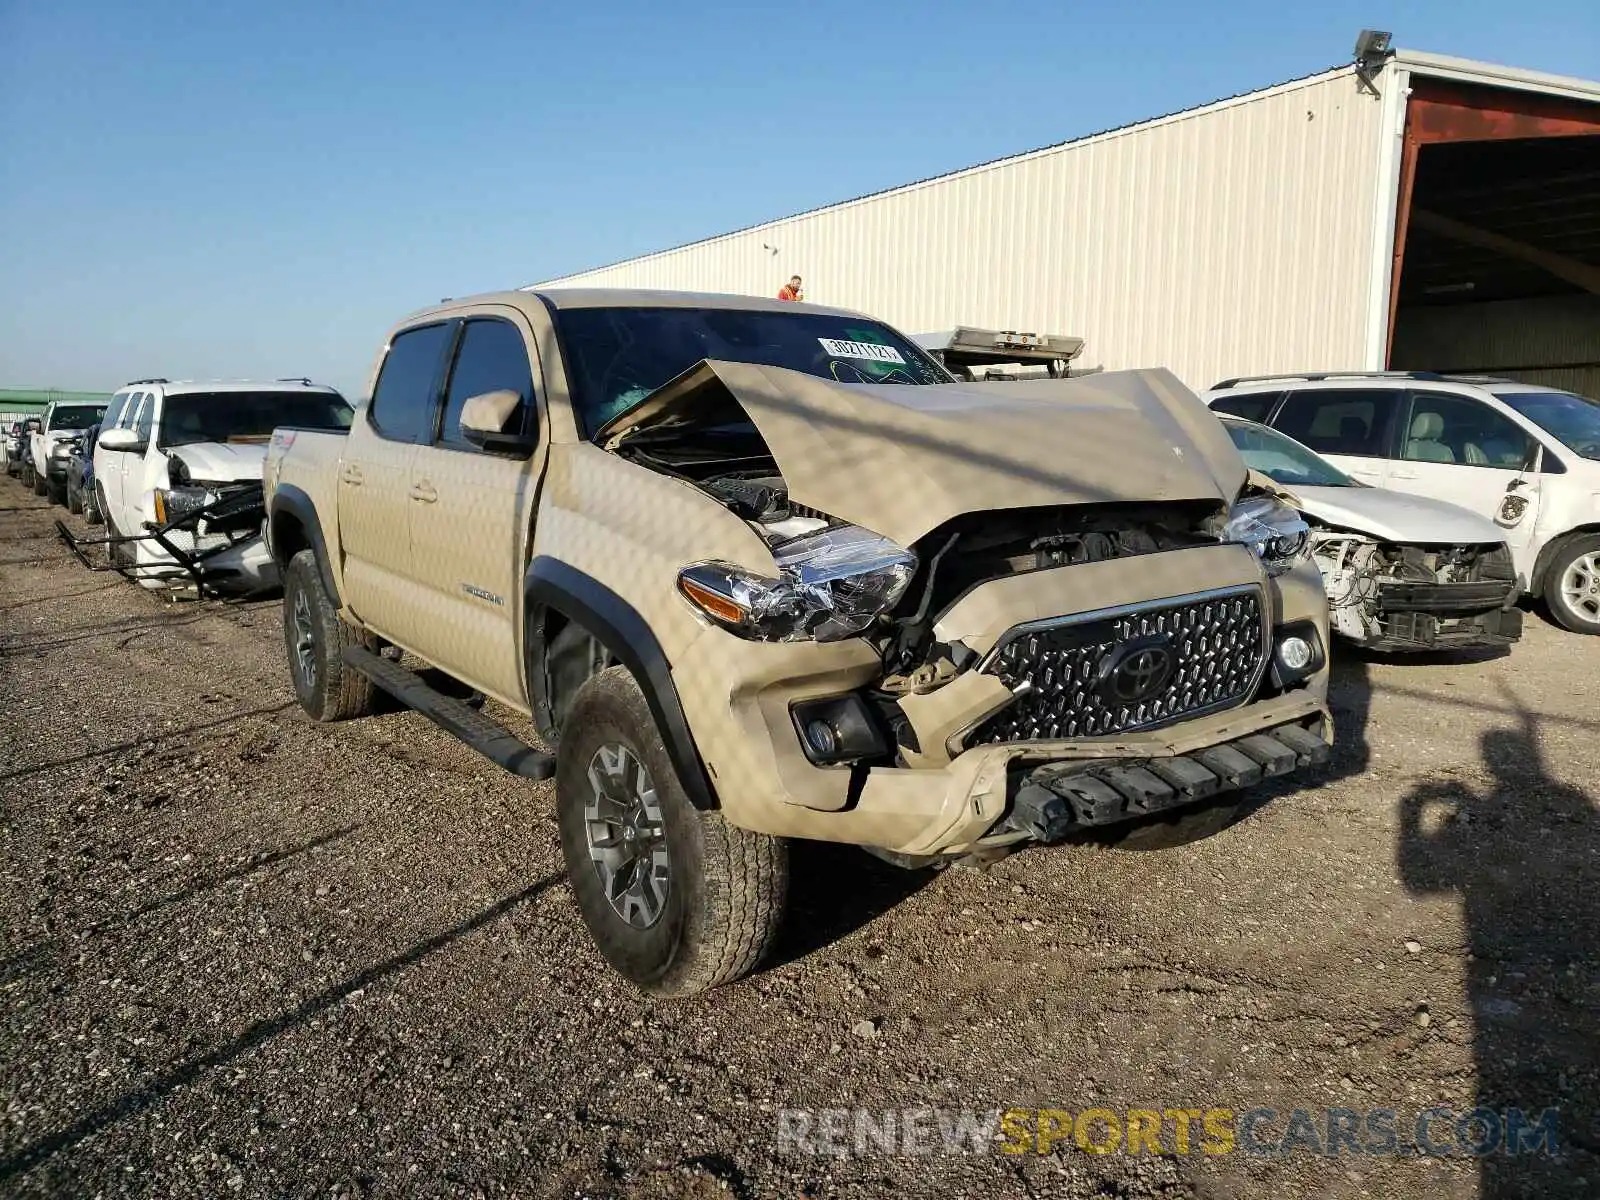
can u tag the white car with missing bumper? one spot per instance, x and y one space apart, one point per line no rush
1402 572
168 448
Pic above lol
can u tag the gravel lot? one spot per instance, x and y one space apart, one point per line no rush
246 955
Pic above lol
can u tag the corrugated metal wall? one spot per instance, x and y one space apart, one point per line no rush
1553 341
1229 239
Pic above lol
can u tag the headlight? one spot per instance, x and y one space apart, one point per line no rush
61 450
172 503
1276 532
831 584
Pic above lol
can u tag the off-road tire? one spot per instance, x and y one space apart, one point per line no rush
727 886
1569 617
330 691
74 498
1182 826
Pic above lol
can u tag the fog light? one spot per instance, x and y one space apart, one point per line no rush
837 729
823 739
1295 653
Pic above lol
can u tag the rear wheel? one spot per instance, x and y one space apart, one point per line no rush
40 484
74 497
315 639
677 900
1572 587
90 498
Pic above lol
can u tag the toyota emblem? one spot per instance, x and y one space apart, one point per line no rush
1137 671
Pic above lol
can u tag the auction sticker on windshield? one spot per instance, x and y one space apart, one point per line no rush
870 351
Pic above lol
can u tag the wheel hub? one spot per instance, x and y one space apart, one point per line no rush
1580 585
305 639
626 836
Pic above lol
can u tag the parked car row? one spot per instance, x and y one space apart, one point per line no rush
752 581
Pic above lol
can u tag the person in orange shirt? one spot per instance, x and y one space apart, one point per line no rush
792 290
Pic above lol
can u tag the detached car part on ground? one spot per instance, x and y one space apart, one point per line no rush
198 538
1402 572
830 594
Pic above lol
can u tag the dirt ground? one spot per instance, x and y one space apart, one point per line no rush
243 954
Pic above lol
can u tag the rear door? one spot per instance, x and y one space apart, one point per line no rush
469 524
1351 427
380 571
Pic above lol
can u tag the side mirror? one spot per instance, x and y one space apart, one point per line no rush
126 440
491 421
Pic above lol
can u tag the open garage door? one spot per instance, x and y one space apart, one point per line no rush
1497 241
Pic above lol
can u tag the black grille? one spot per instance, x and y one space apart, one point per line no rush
1216 657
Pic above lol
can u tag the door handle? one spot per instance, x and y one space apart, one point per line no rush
424 492
351 475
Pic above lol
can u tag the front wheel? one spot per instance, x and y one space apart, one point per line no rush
315 639
1572 588
677 900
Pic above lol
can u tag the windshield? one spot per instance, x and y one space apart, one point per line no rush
77 416
1572 420
1282 459
617 356
247 416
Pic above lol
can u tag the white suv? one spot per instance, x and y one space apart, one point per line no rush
1525 456
170 447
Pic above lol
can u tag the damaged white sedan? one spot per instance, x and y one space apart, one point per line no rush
177 470
1402 572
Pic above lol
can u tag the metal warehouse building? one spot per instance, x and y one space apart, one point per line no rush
1408 211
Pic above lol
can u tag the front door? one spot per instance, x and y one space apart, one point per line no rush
470 517
375 477
1457 448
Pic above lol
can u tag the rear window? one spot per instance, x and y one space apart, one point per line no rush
1253 407
247 416
617 356
1339 421
76 416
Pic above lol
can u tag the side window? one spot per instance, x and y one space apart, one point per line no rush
114 410
403 399
1252 407
145 418
1447 428
130 410
1340 421
490 357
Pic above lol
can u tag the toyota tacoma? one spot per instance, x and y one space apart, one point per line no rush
761 571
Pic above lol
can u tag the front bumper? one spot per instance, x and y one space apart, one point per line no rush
1447 616
950 793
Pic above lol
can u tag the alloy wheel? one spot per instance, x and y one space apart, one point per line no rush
1580 585
305 639
626 836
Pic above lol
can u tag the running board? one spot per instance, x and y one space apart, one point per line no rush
489 738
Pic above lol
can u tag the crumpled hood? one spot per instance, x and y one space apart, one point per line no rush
902 460
1394 516
222 462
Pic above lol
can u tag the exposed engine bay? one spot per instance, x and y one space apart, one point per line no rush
1398 597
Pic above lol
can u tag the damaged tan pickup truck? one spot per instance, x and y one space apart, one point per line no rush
764 570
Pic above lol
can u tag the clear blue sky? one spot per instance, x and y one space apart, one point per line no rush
221 189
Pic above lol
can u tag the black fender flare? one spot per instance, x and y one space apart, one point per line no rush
292 501
553 585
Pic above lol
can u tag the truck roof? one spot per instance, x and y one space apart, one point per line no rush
560 298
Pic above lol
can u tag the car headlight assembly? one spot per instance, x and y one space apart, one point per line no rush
172 503
831 585
1276 532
